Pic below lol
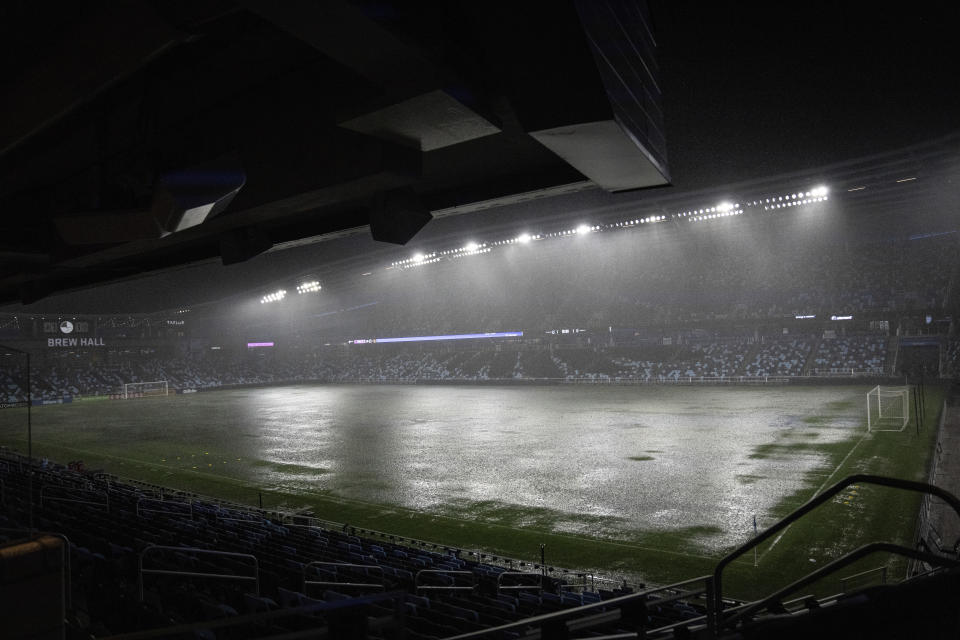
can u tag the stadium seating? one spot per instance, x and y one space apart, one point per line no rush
141 559
850 354
780 358
717 358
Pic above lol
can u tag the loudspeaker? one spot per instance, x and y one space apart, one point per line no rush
396 216
184 199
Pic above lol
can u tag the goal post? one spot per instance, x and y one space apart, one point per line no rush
888 408
144 389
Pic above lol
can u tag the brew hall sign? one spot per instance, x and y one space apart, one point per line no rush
66 328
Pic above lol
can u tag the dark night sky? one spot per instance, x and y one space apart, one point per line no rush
761 89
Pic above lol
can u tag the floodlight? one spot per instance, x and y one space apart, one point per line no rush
524 238
819 191
417 257
471 246
583 229
308 287
273 297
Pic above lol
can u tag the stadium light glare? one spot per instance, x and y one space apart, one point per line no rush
524 238
724 207
582 229
471 246
819 191
276 296
308 287
417 257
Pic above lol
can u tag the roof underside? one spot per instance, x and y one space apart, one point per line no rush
142 135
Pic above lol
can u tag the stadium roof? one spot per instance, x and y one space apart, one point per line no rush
142 134
889 195
310 118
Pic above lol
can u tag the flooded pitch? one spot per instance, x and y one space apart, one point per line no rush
599 461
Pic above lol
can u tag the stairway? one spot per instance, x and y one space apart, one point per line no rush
811 355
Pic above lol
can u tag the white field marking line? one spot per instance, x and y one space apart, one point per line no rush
394 507
817 492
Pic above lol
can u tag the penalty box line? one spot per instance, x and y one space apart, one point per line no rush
817 492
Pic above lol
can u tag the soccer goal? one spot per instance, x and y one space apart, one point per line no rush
888 408
144 389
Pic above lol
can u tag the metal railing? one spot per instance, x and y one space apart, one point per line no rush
809 506
286 519
447 572
827 569
255 578
859 579
342 565
835 372
75 496
926 535
630 606
519 587
165 511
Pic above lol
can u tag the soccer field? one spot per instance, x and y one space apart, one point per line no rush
654 482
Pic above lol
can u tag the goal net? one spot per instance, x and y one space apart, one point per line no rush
143 389
888 408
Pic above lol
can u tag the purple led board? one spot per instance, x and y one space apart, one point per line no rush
461 336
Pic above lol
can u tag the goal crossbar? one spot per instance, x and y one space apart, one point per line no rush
888 408
141 389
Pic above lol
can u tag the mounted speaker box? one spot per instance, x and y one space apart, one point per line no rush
186 198
181 199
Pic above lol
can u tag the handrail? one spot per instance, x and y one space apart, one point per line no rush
283 516
188 505
839 563
630 598
447 572
809 506
318 563
519 587
197 574
75 490
883 576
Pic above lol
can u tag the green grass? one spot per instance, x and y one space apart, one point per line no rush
852 519
508 530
